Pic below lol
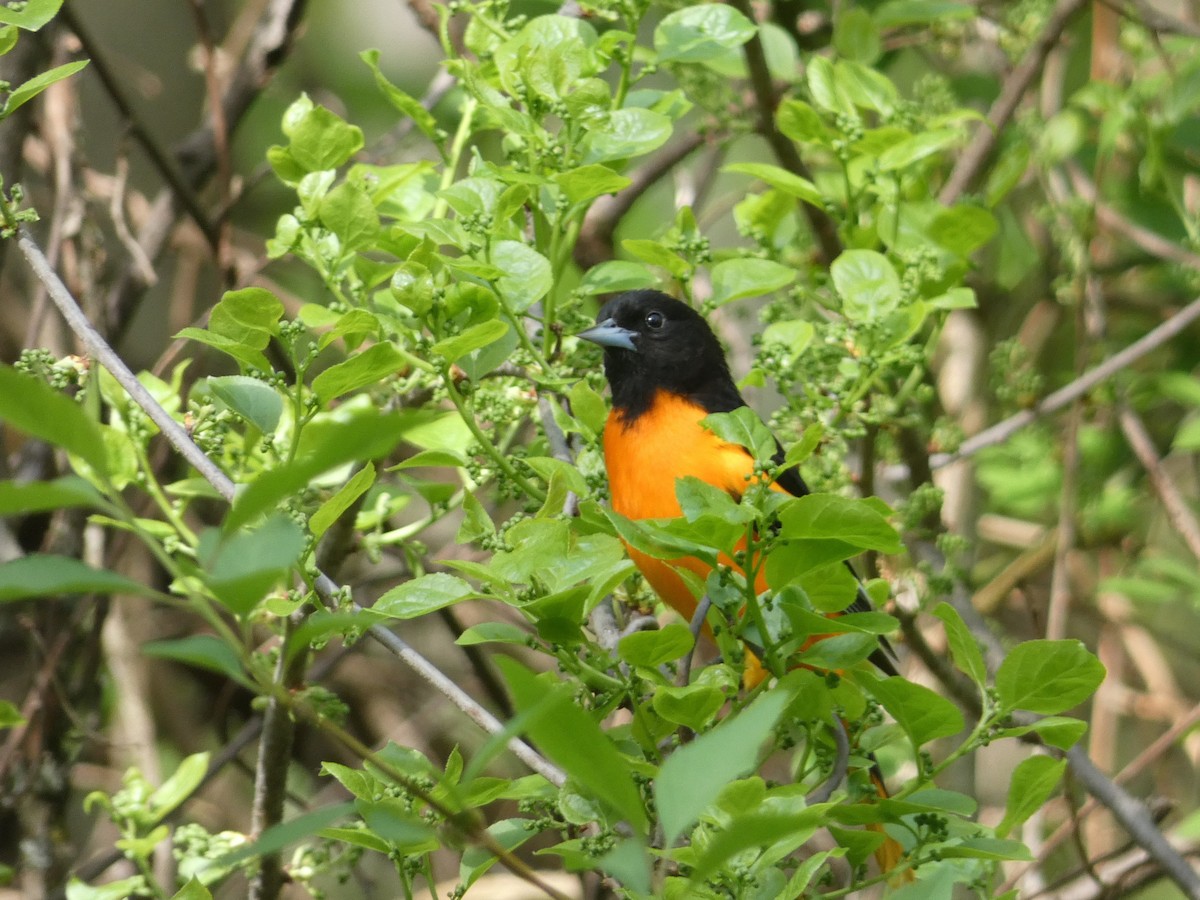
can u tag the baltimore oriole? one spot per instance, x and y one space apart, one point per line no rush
667 372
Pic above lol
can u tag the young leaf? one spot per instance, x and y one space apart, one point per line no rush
42 575
527 276
255 401
193 890
867 283
735 279
422 595
368 367
626 133
653 648
32 406
781 180
743 427
34 86
1033 781
964 649
831 517
30 16
694 775
923 714
589 182
176 789
701 33
244 566
332 509
406 104
67 492
565 732
1048 677
206 651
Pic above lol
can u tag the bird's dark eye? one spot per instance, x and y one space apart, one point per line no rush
655 320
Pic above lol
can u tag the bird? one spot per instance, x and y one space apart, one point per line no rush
667 372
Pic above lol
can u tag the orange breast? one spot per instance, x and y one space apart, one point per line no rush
645 458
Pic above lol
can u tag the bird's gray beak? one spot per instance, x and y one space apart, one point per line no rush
609 334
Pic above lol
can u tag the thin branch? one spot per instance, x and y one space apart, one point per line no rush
1002 431
973 159
1178 511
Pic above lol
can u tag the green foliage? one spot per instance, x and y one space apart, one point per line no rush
432 386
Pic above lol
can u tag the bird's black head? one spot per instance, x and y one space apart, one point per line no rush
654 342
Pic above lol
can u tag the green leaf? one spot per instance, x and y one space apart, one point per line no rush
565 732
742 426
349 213
1033 781
43 575
897 13
855 35
616 275
30 16
327 444
123 889
625 134
964 649
693 776
30 405
986 848
832 517
68 492
205 651
653 648
918 147
823 88
332 509
867 283
193 890
247 564
470 339
277 837
756 829
247 356
800 122
734 279
508 833
527 277
1048 677
181 785
34 86
923 714
255 401
10 716
692 705
406 104
781 180
249 316
589 182
963 229
493 632
322 140
701 32
423 595
656 254
369 367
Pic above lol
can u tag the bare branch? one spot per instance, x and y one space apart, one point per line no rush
1002 431
974 157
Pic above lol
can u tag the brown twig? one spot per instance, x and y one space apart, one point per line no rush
976 154
1002 431
1180 514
